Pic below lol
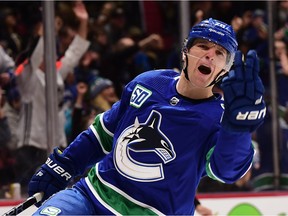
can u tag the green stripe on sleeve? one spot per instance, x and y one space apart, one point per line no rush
106 140
208 167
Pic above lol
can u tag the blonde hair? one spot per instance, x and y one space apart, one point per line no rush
101 103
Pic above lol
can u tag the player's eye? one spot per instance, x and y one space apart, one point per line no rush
203 46
220 53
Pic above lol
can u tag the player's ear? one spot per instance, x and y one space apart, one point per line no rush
183 59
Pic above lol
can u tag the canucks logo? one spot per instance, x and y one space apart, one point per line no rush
142 149
50 211
139 96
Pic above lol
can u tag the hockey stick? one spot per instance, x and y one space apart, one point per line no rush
24 205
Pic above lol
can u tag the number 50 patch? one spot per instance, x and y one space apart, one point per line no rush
139 96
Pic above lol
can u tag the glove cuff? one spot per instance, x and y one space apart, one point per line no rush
244 119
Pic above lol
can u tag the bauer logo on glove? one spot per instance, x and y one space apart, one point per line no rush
53 176
58 169
254 114
243 95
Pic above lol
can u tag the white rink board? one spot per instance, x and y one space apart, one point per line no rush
272 203
255 204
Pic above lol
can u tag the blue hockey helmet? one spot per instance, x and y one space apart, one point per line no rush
217 32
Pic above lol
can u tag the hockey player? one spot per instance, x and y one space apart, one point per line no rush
148 153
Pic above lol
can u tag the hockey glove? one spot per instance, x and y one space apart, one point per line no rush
52 177
243 95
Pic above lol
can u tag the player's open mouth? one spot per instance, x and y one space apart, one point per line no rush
204 69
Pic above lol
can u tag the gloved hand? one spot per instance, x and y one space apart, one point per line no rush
243 95
52 177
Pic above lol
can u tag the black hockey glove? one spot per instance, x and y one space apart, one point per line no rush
243 95
52 177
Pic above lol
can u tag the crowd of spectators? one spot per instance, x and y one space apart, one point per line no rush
101 46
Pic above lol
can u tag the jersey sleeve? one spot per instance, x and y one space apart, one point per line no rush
231 157
94 143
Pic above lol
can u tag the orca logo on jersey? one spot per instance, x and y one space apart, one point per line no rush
142 149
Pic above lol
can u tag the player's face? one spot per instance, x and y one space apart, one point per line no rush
205 61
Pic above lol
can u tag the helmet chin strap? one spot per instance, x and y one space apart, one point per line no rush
218 78
186 66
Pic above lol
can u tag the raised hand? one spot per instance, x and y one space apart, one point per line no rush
243 95
80 10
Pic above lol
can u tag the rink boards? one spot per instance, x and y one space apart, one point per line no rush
261 203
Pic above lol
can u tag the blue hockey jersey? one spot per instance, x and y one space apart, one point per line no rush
154 145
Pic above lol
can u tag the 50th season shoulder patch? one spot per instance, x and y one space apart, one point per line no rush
139 96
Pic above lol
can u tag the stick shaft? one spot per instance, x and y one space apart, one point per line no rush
24 205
